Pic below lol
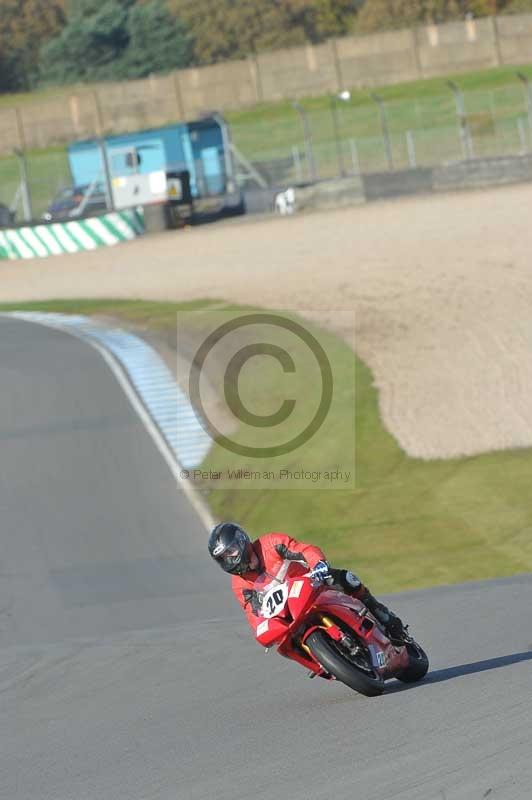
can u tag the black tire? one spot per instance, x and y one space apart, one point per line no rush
418 667
327 652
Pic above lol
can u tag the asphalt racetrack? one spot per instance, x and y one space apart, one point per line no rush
127 671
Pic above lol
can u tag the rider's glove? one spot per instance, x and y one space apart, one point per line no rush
250 596
320 571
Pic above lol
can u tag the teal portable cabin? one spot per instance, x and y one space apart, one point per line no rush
137 163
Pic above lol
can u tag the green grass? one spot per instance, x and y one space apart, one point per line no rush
408 523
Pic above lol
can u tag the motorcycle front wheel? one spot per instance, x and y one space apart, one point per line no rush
363 678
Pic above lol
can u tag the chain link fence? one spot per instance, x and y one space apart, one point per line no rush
307 142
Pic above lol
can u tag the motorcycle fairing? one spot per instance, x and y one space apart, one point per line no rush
385 657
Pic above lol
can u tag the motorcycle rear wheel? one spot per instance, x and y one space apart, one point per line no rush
328 654
418 666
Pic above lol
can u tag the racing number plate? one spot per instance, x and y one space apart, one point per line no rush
274 601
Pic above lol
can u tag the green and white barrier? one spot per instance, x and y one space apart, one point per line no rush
74 236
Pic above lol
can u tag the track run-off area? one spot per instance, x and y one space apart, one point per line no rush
127 671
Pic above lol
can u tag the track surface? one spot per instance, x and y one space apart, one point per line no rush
127 672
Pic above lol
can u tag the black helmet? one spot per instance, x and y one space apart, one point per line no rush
230 546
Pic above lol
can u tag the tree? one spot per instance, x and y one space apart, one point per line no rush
157 41
229 29
8 72
519 7
116 39
24 26
386 14
95 36
321 19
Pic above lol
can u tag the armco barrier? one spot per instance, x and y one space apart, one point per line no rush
74 236
331 194
479 172
379 185
472 174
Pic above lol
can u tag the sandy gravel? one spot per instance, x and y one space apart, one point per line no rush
441 287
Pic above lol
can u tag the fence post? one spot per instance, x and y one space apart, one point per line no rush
231 184
338 143
528 98
385 131
344 96
73 102
415 50
465 133
497 41
20 129
99 115
109 201
24 184
297 163
411 147
354 156
256 77
308 139
337 65
178 96
522 136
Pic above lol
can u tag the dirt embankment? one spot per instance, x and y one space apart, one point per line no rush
440 287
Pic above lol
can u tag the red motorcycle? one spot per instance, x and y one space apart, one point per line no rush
332 634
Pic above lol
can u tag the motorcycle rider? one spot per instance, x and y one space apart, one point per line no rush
231 547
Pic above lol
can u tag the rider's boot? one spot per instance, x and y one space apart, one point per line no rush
351 584
392 623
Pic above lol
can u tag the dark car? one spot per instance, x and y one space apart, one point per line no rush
76 201
7 217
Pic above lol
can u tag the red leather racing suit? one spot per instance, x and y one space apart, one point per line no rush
270 561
